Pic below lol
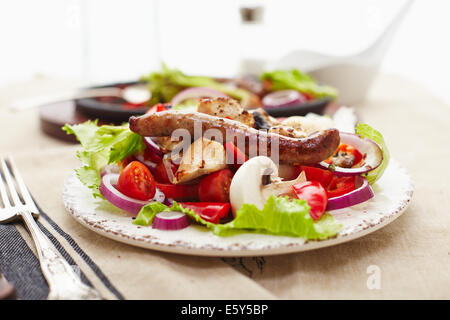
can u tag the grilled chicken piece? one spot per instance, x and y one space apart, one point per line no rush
288 132
166 143
309 124
226 108
202 157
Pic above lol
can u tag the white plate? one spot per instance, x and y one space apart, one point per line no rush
393 193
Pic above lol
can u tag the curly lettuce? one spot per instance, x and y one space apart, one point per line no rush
296 80
366 131
280 216
102 145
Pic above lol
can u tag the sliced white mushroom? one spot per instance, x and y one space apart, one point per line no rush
256 180
202 157
278 187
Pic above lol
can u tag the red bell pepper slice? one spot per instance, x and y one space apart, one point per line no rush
209 211
340 186
349 150
316 174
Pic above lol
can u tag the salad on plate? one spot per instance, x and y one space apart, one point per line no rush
232 169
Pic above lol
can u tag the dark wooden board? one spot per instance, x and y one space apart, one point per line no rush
55 115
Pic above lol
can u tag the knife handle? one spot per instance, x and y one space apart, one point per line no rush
7 291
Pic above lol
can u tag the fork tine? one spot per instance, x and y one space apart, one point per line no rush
3 192
22 186
10 183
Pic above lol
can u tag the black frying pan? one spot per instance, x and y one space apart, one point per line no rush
113 109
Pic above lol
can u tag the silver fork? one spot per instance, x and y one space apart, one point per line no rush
63 282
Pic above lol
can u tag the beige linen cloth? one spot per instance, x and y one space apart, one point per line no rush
412 253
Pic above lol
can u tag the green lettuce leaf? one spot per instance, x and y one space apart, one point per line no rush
102 145
280 216
149 211
296 80
366 131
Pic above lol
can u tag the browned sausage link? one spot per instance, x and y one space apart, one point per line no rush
315 148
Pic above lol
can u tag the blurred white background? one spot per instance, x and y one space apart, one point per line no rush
101 41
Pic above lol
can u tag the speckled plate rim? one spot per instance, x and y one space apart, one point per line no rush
214 249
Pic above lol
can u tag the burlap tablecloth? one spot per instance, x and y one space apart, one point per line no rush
412 254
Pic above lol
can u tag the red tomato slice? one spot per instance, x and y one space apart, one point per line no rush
209 211
179 191
235 156
316 174
215 187
340 186
160 172
316 196
136 181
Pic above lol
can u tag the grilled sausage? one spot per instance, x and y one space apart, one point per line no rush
312 149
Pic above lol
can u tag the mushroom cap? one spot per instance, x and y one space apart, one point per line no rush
247 186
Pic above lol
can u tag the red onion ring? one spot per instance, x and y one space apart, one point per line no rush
363 193
374 155
197 92
283 98
153 147
171 220
130 205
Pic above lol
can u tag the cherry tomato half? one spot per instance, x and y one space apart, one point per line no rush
136 181
316 196
215 187
340 186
